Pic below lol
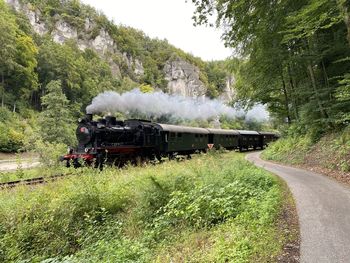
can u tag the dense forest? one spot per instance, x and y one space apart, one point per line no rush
295 57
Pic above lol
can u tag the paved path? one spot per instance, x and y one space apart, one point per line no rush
12 165
323 207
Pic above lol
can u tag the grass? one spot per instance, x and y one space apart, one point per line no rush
213 208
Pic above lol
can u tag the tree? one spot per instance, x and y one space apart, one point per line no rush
7 51
146 88
17 59
294 55
55 119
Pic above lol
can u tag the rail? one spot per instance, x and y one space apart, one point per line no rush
31 181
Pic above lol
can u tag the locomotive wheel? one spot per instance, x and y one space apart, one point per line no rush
99 162
76 163
172 156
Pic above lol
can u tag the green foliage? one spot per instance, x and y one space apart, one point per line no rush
10 139
17 59
146 214
294 56
330 151
146 88
49 153
343 100
291 149
12 131
217 72
55 119
83 74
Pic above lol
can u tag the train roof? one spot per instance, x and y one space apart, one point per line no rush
267 133
244 132
183 129
223 131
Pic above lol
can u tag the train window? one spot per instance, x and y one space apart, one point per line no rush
179 135
172 135
196 135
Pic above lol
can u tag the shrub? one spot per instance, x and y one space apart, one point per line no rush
49 153
11 138
144 214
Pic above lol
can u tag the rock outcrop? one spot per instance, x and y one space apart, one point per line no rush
183 78
228 95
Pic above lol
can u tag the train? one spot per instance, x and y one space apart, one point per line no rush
108 140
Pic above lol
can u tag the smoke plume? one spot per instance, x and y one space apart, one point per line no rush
158 104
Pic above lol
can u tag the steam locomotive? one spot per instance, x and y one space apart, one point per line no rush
109 140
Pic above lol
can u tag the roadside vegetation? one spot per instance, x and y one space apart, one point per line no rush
213 208
329 154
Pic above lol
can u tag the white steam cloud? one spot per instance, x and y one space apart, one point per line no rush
159 104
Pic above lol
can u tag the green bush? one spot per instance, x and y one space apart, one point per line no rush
330 151
11 131
49 153
291 149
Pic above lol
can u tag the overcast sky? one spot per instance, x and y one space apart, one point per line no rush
166 19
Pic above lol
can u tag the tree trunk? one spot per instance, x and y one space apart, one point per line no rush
317 95
3 89
286 99
326 79
293 88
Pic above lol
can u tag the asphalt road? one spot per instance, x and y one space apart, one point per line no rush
323 207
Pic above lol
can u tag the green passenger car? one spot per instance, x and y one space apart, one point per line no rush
223 138
183 140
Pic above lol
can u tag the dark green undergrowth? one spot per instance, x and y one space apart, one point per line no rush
213 208
332 151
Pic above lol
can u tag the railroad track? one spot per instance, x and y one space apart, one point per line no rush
32 181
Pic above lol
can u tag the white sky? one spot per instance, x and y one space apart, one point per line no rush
166 19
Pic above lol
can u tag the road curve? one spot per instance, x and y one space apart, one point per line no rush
323 207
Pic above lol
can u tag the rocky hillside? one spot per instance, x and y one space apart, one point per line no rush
128 57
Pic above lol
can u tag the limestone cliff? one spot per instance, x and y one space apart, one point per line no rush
228 94
183 79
